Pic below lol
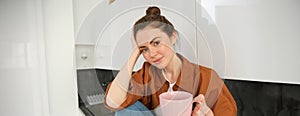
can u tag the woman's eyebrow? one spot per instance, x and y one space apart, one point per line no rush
141 47
154 39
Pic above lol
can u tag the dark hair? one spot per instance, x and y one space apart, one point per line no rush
155 20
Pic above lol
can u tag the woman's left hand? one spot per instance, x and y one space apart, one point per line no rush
201 108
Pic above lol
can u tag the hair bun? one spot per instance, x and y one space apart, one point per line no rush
153 11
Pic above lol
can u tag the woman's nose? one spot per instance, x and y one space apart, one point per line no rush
153 52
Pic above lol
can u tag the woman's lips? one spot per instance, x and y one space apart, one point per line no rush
158 60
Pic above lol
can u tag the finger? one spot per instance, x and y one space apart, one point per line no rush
199 98
201 108
203 98
196 110
197 107
209 113
204 108
198 113
195 113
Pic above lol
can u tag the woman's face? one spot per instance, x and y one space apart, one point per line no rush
156 46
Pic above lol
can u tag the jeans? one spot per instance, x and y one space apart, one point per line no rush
136 109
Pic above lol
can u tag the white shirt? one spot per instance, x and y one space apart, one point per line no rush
170 84
157 110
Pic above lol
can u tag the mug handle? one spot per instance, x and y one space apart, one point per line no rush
191 103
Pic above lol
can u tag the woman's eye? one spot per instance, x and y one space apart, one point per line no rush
144 50
156 43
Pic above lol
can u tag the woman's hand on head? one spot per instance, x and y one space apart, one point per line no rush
134 43
135 51
201 108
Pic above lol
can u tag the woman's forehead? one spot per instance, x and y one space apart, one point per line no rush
148 34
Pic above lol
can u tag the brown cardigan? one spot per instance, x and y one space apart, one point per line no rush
148 83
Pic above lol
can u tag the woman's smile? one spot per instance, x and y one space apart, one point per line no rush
159 60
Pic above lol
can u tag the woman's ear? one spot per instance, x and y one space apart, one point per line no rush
173 37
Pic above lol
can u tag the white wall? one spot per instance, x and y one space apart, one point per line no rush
36 62
59 44
261 39
23 77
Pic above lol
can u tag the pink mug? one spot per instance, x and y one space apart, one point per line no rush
176 103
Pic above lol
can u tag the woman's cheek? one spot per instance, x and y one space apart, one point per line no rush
146 57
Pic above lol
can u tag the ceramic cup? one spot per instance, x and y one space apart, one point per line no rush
176 103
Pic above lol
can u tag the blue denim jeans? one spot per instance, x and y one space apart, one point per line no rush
136 109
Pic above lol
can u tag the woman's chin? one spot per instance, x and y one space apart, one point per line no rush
158 65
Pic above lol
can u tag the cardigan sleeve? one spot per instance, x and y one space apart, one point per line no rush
135 90
217 95
225 104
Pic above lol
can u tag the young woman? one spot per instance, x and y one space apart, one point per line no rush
138 94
